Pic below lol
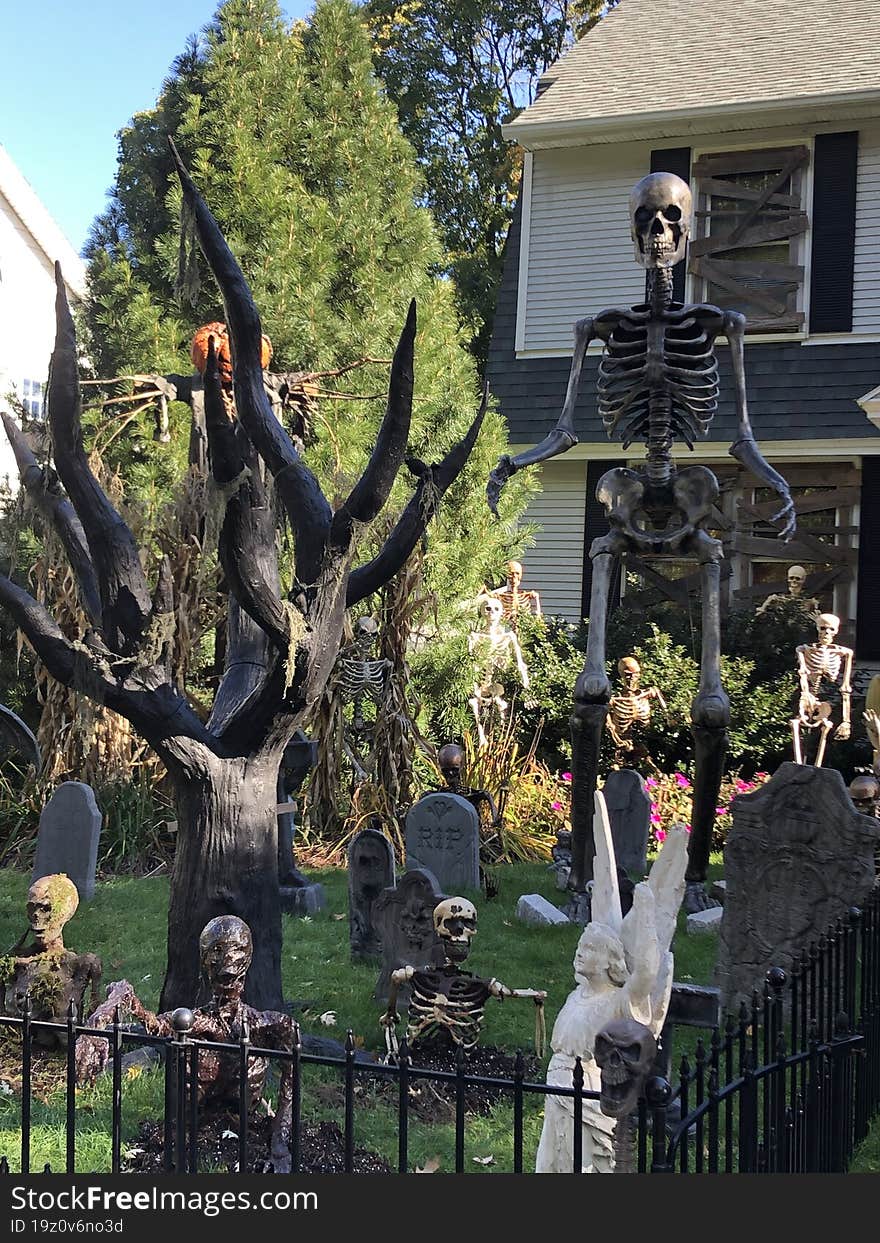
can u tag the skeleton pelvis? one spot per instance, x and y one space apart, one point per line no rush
658 518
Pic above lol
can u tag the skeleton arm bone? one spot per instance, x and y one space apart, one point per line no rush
563 436
845 727
744 448
401 976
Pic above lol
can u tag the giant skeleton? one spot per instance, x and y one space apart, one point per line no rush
657 382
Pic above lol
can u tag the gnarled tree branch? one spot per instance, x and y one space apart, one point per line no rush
410 526
307 507
125 597
374 486
60 514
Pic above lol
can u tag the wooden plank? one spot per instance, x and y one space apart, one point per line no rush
800 549
776 184
834 498
757 297
751 161
672 588
762 271
732 190
770 231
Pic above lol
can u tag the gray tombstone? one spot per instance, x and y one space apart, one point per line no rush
67 841
629 810
370 871
443 835
797 858
404 920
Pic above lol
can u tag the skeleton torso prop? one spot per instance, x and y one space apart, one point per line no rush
822 667
514 600
447 1004
657 383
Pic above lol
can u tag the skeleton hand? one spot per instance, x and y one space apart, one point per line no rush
843 731
497 479
390 1018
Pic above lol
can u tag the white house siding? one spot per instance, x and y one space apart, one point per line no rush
27 314
579 248
866 282
554 567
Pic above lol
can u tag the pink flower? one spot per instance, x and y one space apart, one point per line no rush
687 828
682 782
557 806
660 834
651 783
741 785
761 776
565 776
721 811
655 819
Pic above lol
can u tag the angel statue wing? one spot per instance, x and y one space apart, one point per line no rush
605 893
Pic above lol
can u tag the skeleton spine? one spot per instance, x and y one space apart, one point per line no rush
659 440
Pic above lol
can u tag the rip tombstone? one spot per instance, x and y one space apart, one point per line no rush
67 841
443 835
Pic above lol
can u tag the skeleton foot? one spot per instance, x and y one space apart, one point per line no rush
696 899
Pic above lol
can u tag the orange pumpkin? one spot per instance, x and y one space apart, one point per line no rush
199 351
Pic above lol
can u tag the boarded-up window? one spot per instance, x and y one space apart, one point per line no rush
748 230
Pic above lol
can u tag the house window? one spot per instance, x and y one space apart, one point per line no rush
32 398
749 223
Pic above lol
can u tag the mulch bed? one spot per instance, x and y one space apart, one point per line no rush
433 1101
322 1148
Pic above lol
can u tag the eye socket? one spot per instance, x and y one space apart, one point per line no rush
643 215
672 212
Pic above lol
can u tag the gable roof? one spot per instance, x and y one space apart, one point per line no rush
39 224
685 57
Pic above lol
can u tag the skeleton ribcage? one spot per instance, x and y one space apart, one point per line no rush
363 679
823 664
658 377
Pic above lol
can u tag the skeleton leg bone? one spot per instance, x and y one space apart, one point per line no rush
710 716
796 740
824 730
592 692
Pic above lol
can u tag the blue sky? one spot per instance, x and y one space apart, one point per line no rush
74 73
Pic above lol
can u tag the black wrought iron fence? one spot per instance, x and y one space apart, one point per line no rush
790 1083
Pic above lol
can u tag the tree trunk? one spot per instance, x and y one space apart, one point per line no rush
226 864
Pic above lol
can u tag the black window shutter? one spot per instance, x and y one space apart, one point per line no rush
868 608
596 524
674 160
835 166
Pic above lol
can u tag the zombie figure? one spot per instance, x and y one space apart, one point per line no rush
658 383
823 667
362 678
39 967
628 711
447 1004
513 599
493 650
797 577
225 951
450 759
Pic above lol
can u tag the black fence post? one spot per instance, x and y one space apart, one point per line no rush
519 1070
26 1038
349 1101
658 1094
70 1090
181 1022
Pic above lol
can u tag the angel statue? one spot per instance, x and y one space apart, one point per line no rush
623 969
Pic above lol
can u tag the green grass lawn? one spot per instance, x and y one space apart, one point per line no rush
126 925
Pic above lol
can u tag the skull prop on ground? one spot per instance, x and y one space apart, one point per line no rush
447 1004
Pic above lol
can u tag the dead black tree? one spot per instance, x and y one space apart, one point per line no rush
279 651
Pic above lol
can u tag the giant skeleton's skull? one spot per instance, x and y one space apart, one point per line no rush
660 209
624 1051
455 922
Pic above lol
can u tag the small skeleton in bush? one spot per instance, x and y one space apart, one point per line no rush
493 651
447 1004
629 710
39 966
513 599
450 759
822 666
361 677
225 951
796 579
